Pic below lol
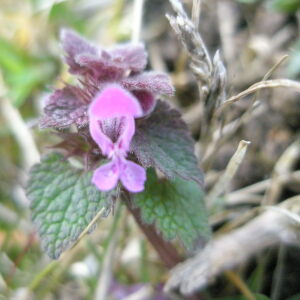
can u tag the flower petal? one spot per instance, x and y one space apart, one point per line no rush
102 140
106 177
132 176
113 102
126 133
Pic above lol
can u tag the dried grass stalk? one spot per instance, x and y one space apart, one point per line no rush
210 73
279 224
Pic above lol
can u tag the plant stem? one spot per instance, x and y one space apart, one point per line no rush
240 284
165 250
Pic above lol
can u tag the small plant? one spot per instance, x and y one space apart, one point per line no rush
115 133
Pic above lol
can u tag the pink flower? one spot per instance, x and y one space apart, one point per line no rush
112 126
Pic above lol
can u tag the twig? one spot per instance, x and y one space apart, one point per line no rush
224 253
275 67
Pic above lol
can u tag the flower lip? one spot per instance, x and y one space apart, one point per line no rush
112 126
114 101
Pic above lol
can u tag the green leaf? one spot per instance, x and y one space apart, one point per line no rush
65 14
295 297
21 72
163 141
63 202
288 6
176 207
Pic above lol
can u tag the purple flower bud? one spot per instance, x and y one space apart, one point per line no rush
112 126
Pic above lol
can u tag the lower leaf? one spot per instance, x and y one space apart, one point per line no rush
63 202
177 209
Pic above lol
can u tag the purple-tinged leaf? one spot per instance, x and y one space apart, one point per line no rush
132 57
154 82
115 63
100 68
73 44
163 141
146 100
64 108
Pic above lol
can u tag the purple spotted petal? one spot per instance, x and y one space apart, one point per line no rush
111 117
106 177
103 141
125 134
132 176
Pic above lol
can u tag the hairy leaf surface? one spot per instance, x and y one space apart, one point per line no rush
63 202
163 141
177 209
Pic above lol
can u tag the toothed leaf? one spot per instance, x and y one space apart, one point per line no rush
63 202
163 141
176 208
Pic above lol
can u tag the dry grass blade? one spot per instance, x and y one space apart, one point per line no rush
210 73
192 41
242 195
137 20
275 83
224 253
196 12
282 167
105 278
231 169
